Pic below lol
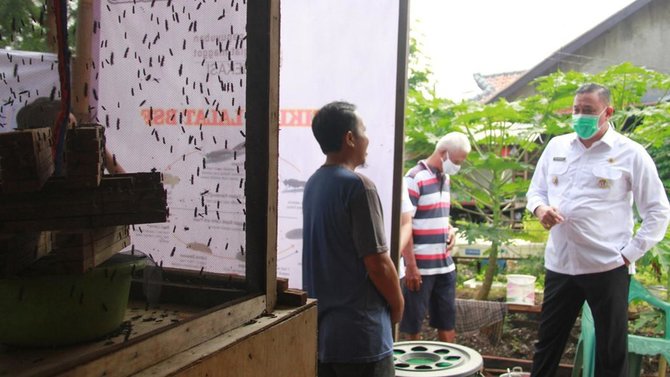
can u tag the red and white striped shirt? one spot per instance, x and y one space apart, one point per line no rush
429 192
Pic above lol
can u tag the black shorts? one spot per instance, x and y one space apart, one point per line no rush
438 294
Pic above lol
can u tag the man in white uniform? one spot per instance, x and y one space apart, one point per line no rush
583 190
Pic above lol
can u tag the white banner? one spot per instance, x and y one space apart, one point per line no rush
333 50
24 77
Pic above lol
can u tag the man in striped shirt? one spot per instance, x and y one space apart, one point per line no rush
430 273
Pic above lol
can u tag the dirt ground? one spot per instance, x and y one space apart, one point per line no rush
517 337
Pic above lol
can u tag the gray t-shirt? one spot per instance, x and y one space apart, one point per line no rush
342 223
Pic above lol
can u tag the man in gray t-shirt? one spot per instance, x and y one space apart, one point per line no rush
346 264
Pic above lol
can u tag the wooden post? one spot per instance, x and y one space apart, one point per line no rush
399 139
399 133
262 143
51 26
81 62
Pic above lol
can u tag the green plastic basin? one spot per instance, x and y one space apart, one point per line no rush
65 309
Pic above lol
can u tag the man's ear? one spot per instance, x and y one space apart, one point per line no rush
349 139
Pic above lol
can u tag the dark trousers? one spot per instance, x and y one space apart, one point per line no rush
381 368
564 295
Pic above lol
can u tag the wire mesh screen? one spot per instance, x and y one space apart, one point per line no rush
168 83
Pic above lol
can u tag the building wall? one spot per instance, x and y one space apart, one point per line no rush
639 39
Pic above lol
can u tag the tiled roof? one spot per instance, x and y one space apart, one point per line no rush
494 83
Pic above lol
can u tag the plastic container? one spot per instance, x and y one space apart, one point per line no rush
55 310
419 358
521 289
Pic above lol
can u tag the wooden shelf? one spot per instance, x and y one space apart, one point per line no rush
122 199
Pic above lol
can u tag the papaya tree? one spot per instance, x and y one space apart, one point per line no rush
507 139
502 140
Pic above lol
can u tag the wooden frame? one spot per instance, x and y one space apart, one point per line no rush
398 152
262 119
138 353
255 349
262 131
262 142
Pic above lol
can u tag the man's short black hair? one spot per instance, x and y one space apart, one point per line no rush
332 122
602 91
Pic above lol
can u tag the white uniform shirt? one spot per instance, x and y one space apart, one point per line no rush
593 190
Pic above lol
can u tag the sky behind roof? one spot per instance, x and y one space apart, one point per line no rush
464 37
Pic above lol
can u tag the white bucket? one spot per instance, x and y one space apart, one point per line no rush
521 289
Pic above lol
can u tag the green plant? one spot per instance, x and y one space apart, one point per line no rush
508 137
23 24
653 267
648 321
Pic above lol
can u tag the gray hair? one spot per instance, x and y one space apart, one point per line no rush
453 141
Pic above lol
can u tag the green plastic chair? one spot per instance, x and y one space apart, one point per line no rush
638 346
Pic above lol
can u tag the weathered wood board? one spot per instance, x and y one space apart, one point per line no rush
26 160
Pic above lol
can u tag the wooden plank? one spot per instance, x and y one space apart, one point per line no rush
93 238
142 351
283 344
79 251
120 199
204 278
177 338
514 308
399 128
25 159
97 256
142 217
84 155
197 296
82 60
262 99
100 205
399 134
79 165
292 297
28 167
61 212
282 284
289 297
19 250
138 322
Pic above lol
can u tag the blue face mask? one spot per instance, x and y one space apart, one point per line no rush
585 125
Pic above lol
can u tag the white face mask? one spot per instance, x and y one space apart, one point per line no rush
449 167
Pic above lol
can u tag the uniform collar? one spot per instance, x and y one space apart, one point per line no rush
610 136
